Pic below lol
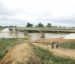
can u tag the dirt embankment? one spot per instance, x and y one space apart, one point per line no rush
48 40
67 53
21 54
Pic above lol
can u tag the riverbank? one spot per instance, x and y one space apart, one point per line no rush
7 43
49 40
27 53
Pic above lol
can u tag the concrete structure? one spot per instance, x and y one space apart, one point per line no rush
42 35
49 30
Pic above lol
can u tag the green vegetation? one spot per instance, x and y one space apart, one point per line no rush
6 44
70 45
40 25
29 25
47 57
48 25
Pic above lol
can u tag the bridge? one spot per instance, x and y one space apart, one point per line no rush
43 29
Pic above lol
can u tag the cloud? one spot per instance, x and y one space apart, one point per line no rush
4 10
18 12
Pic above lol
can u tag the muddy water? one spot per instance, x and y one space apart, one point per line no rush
33 36
47 35
7 34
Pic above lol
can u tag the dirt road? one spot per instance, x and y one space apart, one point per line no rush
60 51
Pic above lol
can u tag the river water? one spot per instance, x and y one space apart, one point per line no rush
35 36
6 34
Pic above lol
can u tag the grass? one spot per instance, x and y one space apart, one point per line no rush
70 45
47 57
6 44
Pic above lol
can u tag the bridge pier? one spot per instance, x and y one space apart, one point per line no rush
16 33
25 32
26 35
11 30
42 34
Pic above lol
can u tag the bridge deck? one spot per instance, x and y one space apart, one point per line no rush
44 29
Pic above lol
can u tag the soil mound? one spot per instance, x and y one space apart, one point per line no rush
21 54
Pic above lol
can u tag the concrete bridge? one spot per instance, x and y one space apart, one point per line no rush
43 29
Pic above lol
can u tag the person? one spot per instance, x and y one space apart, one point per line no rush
57 45
52 45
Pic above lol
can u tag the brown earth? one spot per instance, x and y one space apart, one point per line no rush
24 54
60 51
60 40
21 54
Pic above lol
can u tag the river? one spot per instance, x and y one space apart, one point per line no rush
7 34
33 36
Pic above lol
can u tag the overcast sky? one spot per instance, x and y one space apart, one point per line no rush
19 12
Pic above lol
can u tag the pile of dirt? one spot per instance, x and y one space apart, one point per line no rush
21 54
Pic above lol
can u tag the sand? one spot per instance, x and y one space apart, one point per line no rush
49 40
70 36
21 54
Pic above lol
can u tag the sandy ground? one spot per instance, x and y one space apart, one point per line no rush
21 54
60 51
60 40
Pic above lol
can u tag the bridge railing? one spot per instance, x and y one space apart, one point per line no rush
44 29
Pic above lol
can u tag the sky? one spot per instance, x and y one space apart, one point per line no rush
20 12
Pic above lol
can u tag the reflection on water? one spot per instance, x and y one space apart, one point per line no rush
7 34
35 36
11 35
32 35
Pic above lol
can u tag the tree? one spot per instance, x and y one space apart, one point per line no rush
48 25
29 25
40 25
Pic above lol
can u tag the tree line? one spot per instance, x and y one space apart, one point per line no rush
38 25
